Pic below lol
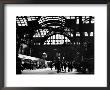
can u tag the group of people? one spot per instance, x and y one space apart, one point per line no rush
60 65
65 66
81 66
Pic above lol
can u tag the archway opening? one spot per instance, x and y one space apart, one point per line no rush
57 39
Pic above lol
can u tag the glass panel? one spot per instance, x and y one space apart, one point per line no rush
91 33
58 40
86 34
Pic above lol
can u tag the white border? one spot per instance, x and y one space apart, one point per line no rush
99 79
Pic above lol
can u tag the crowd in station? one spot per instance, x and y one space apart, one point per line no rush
67 40
84 66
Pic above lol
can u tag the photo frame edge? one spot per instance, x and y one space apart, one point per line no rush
2 52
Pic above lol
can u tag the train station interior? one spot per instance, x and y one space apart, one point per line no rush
46 37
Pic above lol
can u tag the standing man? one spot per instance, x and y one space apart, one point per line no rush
65 66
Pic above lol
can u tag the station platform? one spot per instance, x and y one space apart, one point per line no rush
47 71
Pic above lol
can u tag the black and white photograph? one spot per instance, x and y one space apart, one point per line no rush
62 45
